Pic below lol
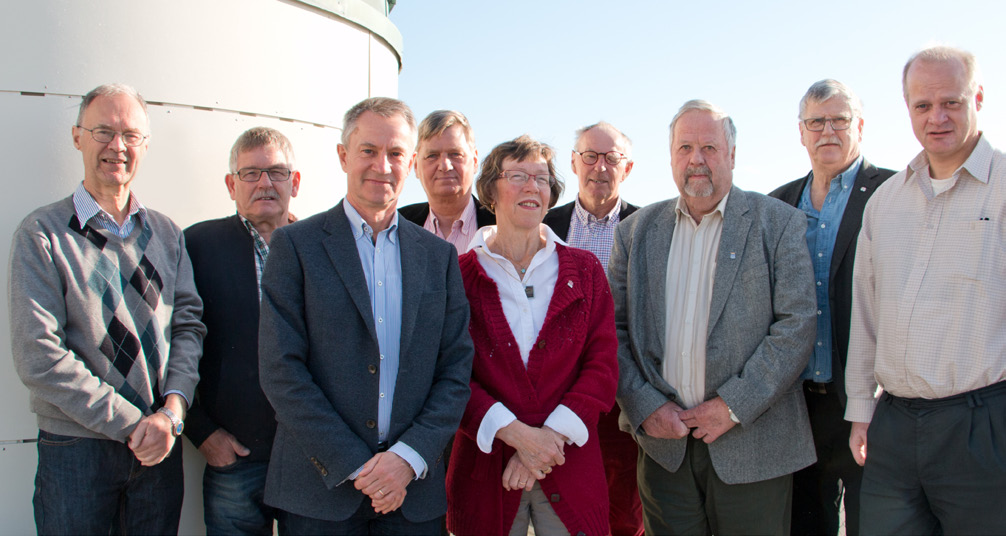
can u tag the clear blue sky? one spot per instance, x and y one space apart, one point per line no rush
547 68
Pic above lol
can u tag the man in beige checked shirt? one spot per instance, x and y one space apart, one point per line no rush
929 320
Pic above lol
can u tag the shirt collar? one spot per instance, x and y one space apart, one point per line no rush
467 218
256 237
357 224
87 207
681 209
484 234
978 165
846 178
586 217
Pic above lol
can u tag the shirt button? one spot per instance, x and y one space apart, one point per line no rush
382 395
380 320
818 283
372 369
818 373
380 283
823 226
382 356
820 254
819 312
819 343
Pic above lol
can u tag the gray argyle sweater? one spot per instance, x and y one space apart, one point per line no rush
101 327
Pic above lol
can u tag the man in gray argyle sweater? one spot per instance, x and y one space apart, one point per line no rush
106 335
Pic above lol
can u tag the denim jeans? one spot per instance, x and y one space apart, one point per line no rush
232 499
97 486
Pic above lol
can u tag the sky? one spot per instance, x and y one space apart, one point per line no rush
547 68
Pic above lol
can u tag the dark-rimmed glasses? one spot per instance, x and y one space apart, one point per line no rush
106 135
276 174
590 157
816 124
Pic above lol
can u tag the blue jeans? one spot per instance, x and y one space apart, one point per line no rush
232 499
97 486
364 522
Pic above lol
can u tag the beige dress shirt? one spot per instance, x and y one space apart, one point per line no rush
929 290
462 231
691 269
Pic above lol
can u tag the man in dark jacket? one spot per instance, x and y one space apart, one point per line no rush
833 197
232 422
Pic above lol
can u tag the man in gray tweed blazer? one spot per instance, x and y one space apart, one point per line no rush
715 313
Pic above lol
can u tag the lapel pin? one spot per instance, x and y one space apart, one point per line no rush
570 283
862 188
733 255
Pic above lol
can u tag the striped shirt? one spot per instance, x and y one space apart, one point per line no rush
929 290
87 208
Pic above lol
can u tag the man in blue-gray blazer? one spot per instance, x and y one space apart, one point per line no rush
364 349
715 315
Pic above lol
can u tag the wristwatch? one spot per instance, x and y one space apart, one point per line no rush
176 424
732 416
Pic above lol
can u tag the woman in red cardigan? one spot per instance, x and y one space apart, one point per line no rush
545 364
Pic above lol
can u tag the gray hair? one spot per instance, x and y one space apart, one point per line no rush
383 106
625 141
440 120
256 137
823 90
111 90
729 130
941 54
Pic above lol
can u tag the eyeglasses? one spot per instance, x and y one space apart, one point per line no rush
106 135
519 178
590 157
816 124
254 174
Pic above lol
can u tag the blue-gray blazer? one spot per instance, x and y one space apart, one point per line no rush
761 328
319 365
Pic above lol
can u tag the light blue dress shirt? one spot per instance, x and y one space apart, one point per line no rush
822 228
382 265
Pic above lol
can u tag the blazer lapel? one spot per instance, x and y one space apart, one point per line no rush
342 252
414 267
852 218
656 246
733 240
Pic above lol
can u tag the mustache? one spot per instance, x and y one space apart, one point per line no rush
265 193
698 170
828 140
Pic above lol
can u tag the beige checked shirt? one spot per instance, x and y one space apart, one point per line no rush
929 291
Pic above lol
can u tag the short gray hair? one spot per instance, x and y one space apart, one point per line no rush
383 106
729 130
942 54
828 88
111 90
440 120
256 137
625 141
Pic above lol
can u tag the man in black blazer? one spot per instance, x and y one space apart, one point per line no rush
446 163
364 349
602 159
231 422
833 197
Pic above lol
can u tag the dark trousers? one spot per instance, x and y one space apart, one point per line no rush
937 466
625 513
97 486
233 499
363 522
818 490
693 499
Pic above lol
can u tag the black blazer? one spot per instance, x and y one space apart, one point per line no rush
842 258
558 218
418 212
228 394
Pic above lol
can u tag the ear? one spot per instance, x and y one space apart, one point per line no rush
229 180
859 128
628 169
979 98
733 156
475 161
802 132
295 184
572 161
343 153
412 160
75 133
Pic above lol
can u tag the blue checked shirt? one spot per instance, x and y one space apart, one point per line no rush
592 234
822 228
261 252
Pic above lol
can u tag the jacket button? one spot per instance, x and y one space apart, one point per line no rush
541 344
554 497
371 423
372 369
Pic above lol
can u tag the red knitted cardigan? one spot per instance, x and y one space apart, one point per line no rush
573 362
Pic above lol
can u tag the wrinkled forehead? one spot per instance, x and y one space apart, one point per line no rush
118 111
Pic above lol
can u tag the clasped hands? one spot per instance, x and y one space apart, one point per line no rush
151 441
707 421
538 450
384 478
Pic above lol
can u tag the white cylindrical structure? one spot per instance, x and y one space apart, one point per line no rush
210 70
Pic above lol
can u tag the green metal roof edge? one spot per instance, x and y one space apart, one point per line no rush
361 13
